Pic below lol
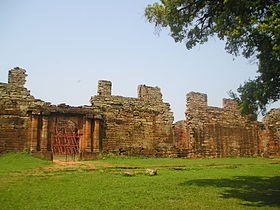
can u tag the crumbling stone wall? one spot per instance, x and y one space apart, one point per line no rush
135 126
216 132
28 123
270 134
149 94
14 103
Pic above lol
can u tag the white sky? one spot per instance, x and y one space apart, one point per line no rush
66 46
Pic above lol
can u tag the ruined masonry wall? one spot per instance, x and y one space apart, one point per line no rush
133 126
216 132
136 126
150 94
14 121
29 123
270 134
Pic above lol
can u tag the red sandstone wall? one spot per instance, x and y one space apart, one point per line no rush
270 134
216 132
28 123
182 135
130 128
136 126
14 121
13 128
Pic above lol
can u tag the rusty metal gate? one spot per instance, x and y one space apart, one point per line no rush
66 141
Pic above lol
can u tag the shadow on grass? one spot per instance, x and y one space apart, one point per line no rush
257 191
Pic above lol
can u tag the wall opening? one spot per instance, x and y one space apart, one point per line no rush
65 145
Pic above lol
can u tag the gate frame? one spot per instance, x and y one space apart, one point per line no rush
90 131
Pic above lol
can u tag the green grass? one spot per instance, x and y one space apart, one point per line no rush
228 183
19 161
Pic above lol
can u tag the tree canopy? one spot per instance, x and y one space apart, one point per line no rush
249 27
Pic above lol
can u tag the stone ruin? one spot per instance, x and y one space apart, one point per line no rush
130 126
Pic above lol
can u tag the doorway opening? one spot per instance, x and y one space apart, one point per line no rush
65 145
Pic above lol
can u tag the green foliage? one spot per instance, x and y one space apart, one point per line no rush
250 92
227 183
249 27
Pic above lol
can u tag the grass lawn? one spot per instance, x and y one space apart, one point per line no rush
230 183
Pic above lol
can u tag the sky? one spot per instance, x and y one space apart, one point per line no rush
66 46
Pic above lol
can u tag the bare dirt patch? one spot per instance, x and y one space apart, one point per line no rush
67 166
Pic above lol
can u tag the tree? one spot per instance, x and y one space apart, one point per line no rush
249 27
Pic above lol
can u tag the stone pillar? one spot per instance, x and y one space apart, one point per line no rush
44 133
104 88
151 94
87 145
96 136
195 99
230 104
17 76
86 139
33 133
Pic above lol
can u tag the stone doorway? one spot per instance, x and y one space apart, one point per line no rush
65 135
66 141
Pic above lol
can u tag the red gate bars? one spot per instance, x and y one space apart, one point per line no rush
66 141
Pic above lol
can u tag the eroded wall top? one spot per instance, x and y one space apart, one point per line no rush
149 93
135 126
198 111
104 88
17 76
